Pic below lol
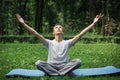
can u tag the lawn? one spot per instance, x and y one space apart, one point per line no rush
24 55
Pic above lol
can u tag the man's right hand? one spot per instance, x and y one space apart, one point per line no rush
20 18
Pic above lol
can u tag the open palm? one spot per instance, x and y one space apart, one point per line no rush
97 18
19 18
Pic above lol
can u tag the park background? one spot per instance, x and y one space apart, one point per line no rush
98 48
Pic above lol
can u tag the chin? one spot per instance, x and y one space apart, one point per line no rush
58 33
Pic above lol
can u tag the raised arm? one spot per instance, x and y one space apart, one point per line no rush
77 37
31 30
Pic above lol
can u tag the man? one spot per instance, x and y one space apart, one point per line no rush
57 63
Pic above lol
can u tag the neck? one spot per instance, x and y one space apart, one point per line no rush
58 37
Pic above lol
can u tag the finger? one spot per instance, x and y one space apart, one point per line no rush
102 15
97 16
17 15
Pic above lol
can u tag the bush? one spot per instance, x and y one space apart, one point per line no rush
32 39
117 34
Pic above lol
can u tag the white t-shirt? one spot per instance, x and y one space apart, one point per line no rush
58 51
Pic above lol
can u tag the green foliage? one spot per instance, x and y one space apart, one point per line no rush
74 15
117 33
17 55
88 38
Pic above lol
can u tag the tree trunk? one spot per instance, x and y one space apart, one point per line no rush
38 16
1 18
103 11
22 10
64 12
4 6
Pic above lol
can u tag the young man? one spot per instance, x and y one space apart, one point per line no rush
57 63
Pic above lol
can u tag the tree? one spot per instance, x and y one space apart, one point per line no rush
38 16
22 7
2 19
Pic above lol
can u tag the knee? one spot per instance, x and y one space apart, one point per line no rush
37 62
78 61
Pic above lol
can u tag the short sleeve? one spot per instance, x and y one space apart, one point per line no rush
47 43
69 42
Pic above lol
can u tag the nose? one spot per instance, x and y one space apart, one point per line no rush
58 27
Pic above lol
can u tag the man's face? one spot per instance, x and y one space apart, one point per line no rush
57 29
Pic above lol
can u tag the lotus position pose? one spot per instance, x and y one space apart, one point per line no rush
58 63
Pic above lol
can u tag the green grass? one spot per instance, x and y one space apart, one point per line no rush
24 55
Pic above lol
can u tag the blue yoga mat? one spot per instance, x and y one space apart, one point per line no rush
25 73
108 70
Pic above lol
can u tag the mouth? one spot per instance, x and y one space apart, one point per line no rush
58 31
